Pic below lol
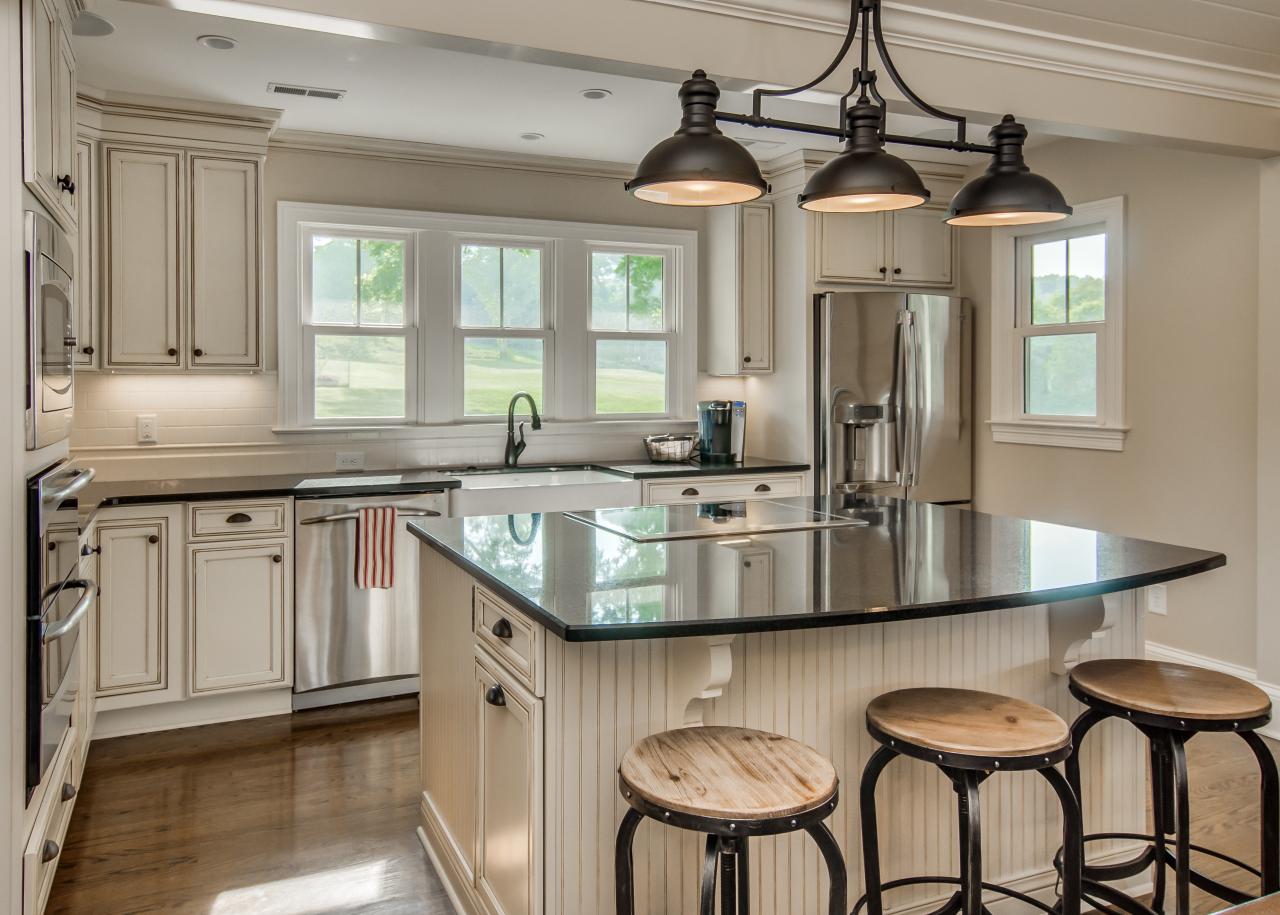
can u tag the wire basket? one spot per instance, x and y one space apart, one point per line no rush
670 448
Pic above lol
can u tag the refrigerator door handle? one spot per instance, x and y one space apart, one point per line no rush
917 405
898 400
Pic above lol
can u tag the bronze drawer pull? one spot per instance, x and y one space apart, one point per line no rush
495 696
68 791
49 851
502 628
764 487
239 518
690 491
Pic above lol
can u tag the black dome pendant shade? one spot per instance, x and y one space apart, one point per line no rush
1008 193
864 178
699 166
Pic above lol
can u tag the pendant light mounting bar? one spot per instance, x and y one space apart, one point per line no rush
864 21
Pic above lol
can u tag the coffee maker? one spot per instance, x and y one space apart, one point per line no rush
722 431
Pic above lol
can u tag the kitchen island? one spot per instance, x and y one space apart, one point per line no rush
549 645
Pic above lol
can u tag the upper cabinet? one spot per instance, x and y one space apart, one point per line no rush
49 99
740 287
181 234
87 266
907 247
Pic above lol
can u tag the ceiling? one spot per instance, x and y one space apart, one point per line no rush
408 92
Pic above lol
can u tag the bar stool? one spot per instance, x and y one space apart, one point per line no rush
732 784
969 735
1170 704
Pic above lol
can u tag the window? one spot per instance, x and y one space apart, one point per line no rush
358 334
501 325
1058 321
403 319
630 333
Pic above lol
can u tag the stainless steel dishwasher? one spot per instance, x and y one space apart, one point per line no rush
351 644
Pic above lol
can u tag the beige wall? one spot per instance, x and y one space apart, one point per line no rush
1189 469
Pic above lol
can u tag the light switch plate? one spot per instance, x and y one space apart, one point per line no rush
350 460
1158 600
148 429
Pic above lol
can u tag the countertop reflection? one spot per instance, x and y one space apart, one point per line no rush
910 561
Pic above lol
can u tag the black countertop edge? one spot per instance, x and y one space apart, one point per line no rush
266 491
657 471
745 625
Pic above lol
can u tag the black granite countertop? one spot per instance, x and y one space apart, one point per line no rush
308 486
645 470
910 561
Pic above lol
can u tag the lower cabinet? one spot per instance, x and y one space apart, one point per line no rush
509 819
140 588
239 627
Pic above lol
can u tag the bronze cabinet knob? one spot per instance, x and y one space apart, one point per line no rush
153 539
172 351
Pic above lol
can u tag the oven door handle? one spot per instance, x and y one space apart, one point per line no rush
79 482
78 612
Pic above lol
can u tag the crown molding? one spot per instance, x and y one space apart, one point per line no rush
164 108
988 41
435 154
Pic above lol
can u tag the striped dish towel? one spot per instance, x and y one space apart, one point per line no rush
376 548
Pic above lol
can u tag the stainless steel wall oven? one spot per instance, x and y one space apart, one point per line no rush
51 332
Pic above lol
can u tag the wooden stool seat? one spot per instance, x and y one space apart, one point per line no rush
1170 690
728 773
968 723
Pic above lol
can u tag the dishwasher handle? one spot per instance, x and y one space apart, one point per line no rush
351 516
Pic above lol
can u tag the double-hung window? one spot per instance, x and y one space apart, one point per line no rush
502 324
632 331
1057 330
358 327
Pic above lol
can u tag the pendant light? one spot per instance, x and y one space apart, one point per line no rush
1008 193
864 178
699 166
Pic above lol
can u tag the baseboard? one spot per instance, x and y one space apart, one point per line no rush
1158 652
190 713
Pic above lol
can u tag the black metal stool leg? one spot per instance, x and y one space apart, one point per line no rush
970 842
623 869
1082 725
1182 819
707 902
744 879
1269 816
728 877
1072 842
838 898
870 834
1161 818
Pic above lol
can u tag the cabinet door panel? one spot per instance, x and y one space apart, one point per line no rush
756 302
851 248
39 52
132 616
225 289
508 873
86 278
921 247
143 250
238 608
64 121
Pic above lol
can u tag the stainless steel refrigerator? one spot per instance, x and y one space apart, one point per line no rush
894 398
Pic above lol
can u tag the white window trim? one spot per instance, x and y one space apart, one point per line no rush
570 400
1106 431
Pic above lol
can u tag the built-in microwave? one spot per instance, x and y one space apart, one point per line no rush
58 600
51 332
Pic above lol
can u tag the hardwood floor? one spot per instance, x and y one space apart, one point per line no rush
294 815
314 814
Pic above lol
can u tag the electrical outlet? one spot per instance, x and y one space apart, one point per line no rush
148 429
350 460
1158 599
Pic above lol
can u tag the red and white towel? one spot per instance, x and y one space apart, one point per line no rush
376 548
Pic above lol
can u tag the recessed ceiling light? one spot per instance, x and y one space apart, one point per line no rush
91 25
531 135
217 42
595 94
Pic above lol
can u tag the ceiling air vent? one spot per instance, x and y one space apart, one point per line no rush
306 91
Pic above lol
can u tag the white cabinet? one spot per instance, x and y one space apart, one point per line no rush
143 250
87 273
907 247
49 93
239 630
508 860
737 488
225 273
740 288
140 585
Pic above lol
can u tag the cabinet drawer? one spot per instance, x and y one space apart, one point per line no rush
511 637
723 489
237 519
44 849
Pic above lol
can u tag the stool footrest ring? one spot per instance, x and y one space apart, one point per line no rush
1095 874
955 881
